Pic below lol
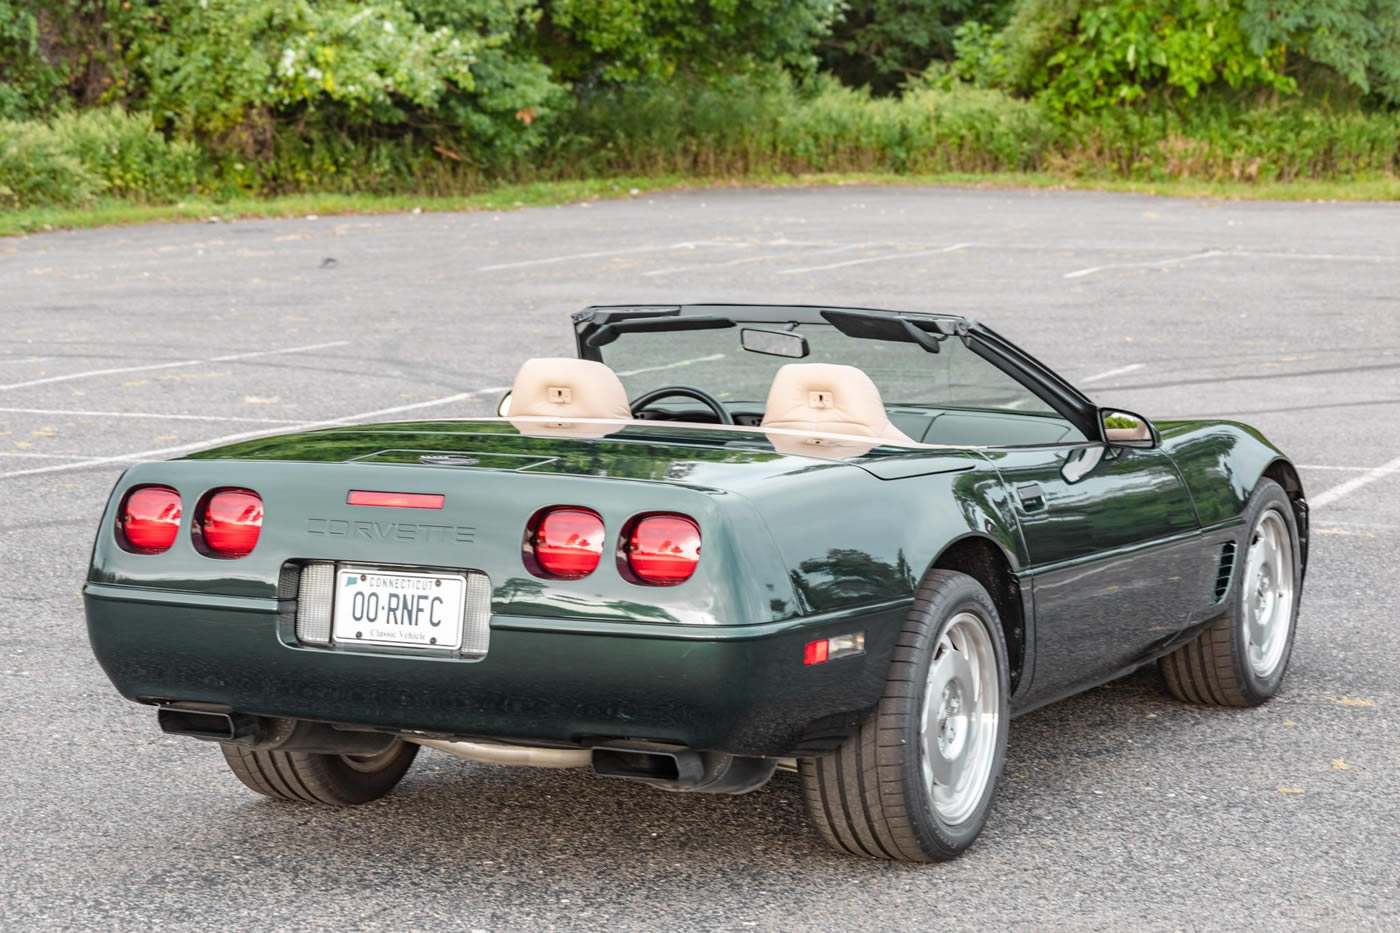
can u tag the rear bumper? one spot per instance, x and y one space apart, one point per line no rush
740 689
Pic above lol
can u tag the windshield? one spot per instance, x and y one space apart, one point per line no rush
906 374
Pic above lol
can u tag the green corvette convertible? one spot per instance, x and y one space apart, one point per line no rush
725 539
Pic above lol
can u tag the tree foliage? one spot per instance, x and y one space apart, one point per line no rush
1359 40
624 40
881 44
1077 56
1080 57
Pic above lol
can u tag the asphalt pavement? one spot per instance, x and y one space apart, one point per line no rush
1121 809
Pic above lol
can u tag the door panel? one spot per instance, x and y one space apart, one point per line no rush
1113 550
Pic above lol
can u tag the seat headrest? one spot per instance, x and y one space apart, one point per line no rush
829 398
567 389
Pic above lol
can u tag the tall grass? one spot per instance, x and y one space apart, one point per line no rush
739 129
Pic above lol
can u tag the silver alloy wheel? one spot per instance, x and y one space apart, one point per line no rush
369 764
961 712
1268 593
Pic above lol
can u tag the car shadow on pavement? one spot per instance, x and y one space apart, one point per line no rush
450 816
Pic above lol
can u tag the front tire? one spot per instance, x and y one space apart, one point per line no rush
337 780
916 782
1240 658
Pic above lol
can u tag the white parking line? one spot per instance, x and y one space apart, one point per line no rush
869 259
1241 253
1345 469
603 254
1176 260
142 414
30 455
1328 496
175 365
675 365
31 359
706 267
144 455
1121 370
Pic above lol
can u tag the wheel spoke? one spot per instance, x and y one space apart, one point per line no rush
961 719
1267 599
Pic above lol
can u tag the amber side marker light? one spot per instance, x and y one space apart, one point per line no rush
834 648
395 500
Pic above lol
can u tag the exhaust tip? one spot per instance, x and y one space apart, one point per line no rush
204 724
637 765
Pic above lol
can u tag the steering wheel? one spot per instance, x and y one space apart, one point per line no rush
700 395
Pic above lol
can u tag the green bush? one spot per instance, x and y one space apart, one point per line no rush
73 158
35 170
127 155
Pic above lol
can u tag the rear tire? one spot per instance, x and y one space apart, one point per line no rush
1240 658
916 782
337 780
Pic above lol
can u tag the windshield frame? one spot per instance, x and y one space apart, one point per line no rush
599 325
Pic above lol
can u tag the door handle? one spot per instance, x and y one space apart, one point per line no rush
1032 496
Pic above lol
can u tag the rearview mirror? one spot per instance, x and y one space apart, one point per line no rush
774 343
1126 429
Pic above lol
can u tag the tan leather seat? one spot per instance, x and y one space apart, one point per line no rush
830 399
564 390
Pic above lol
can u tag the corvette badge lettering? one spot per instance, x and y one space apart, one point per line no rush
390 531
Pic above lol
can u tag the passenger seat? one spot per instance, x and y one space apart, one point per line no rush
830 399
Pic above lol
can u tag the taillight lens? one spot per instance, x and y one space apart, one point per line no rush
662 549
566 543
230 521
149 519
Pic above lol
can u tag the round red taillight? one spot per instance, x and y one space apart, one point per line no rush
566 543
149 519
663 549
230 521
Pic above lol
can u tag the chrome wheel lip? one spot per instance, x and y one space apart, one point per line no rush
1268 593
960 718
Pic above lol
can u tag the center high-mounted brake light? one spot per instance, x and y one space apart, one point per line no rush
662 550
564 543
396 500
230 521
149 519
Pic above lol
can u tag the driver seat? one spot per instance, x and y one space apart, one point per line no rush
831 399
568 389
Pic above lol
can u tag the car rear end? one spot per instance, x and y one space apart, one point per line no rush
442 600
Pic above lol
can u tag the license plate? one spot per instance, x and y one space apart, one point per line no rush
401 610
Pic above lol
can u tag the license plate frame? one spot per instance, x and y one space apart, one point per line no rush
395 609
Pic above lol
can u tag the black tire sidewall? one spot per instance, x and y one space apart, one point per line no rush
1267 495
935 836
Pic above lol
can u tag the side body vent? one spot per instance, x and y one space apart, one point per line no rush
1227 567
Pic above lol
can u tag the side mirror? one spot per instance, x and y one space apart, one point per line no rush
503 406
1126 429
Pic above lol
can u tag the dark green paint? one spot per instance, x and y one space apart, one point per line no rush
794 548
